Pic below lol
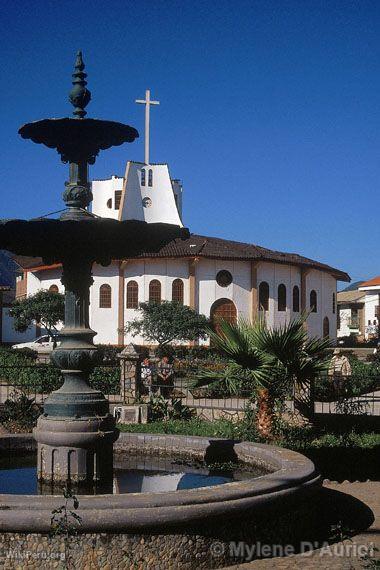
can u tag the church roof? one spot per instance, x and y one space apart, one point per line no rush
218 248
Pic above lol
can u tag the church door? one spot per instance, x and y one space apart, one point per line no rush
223 309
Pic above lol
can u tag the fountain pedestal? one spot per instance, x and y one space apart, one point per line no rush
76 432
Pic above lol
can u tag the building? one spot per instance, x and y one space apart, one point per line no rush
217 277
359 310
351 314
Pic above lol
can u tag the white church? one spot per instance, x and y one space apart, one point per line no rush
217 277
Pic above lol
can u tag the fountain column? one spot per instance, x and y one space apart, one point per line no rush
75 434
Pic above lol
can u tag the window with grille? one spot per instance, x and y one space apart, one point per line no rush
132 295
117 199
143 177
296 299
313 301
281 297
105 296
177 291
53 289
150 177
155 291
264 296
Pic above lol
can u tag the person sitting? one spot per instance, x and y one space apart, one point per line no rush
165 377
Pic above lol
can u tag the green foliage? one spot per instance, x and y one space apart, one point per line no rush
365 378
20 369
106 379
19 413
259 356
168 321
64 520
162 409
292 437
44 307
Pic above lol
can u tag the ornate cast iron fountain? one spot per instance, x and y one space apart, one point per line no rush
76 432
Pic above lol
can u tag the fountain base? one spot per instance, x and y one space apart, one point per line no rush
72 451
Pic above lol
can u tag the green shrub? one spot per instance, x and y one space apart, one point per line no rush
19 413
162 409
106 379
20 369
365 378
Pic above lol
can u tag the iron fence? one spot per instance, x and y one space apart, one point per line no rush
177 382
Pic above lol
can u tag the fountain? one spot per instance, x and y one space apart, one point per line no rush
76 432
167 526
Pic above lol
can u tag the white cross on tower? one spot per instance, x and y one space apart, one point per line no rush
147 102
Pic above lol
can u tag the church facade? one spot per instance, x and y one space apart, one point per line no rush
216 277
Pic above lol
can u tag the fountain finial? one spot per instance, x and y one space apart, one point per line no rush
79 95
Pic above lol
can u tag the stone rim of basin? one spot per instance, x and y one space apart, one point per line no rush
294 476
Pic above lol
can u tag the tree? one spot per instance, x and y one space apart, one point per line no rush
166 322
275 360
45 308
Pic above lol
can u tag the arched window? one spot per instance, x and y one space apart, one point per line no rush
132 295
225 310
313 301
53 289
281 298
105 296
150 177
143 174
333 303
155 291
177 291
109 203
264 296
296 299
326 327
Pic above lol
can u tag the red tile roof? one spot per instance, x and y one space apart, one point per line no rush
217 248
371 282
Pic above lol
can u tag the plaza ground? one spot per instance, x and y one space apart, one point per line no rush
363 500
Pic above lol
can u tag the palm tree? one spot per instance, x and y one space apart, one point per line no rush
272 360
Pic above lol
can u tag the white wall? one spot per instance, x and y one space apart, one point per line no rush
143 272
105 321
371 301
162 206
103 191
345 320
208 291
325 285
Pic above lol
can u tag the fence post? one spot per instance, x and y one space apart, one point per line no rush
130 374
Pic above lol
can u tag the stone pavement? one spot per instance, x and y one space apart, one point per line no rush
346 555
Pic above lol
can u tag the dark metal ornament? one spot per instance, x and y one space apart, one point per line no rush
79 96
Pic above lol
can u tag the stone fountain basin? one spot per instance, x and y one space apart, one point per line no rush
291 477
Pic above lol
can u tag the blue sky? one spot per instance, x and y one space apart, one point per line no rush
270 112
